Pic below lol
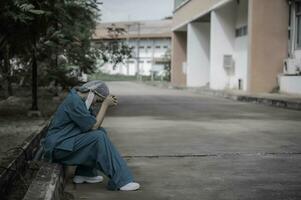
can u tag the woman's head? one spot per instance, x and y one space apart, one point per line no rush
95 88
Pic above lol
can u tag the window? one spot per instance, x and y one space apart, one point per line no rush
165 47
149 47
241 31
298 24
178 3
141 47
158 47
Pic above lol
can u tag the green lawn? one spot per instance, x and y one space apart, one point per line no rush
108 77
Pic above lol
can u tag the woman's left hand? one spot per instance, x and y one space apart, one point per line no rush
110 100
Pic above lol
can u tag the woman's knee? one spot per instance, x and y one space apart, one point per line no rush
100 135
102 129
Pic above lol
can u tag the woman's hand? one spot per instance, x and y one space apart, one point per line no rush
110 100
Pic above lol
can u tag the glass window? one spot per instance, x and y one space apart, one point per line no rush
242 31
178 3
130 62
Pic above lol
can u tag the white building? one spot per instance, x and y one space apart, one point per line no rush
248 45
150 41
290 79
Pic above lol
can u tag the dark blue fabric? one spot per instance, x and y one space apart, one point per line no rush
70 141
71 118
94 150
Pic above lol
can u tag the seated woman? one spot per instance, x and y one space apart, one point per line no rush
75 137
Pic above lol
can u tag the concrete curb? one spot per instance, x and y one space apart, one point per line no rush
15 164
48 183
268 101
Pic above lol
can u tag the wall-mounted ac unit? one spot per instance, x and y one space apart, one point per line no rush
291 66
229 64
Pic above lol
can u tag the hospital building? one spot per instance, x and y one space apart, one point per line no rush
248 45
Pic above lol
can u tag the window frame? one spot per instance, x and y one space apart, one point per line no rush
297 24
180 5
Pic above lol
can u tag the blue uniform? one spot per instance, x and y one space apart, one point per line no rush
70 141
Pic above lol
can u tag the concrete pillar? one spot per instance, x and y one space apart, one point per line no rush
198 54
179 55
268 44
222 43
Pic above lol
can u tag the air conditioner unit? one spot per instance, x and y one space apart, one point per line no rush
291 66
228 64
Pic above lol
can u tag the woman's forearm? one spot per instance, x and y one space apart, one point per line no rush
100 116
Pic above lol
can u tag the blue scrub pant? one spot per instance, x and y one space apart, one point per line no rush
94 151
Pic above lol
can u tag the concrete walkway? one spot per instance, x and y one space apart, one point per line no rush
280 100
181 145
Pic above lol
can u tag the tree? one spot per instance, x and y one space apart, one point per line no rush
31 30
167 65
37 33
14 19
115 50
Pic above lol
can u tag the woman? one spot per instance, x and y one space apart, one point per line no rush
75 137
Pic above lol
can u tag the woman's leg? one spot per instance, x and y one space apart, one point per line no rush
95 150
86 171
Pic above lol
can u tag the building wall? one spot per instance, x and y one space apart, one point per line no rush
198 54
241 47
193 9
149 50
224 22
258 56
179 56
222 43
268 45
290 84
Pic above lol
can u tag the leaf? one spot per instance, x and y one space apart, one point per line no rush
50 43
37 12
26 7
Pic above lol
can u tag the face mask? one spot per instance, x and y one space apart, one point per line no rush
89 99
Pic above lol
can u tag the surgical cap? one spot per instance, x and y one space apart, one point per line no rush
98 86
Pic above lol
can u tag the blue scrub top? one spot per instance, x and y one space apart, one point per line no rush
71 119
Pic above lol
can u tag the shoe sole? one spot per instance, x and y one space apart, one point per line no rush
131 189
87 181
80 182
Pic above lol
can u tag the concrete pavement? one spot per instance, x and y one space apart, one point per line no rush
181 145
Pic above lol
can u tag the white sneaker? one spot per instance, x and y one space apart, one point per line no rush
130 186
83 179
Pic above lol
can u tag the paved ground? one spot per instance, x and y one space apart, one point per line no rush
184 146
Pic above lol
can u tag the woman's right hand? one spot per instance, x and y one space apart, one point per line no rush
110 100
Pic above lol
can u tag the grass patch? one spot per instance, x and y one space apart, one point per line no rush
108 77
118 77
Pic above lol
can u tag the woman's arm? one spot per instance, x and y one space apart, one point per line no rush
109 101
